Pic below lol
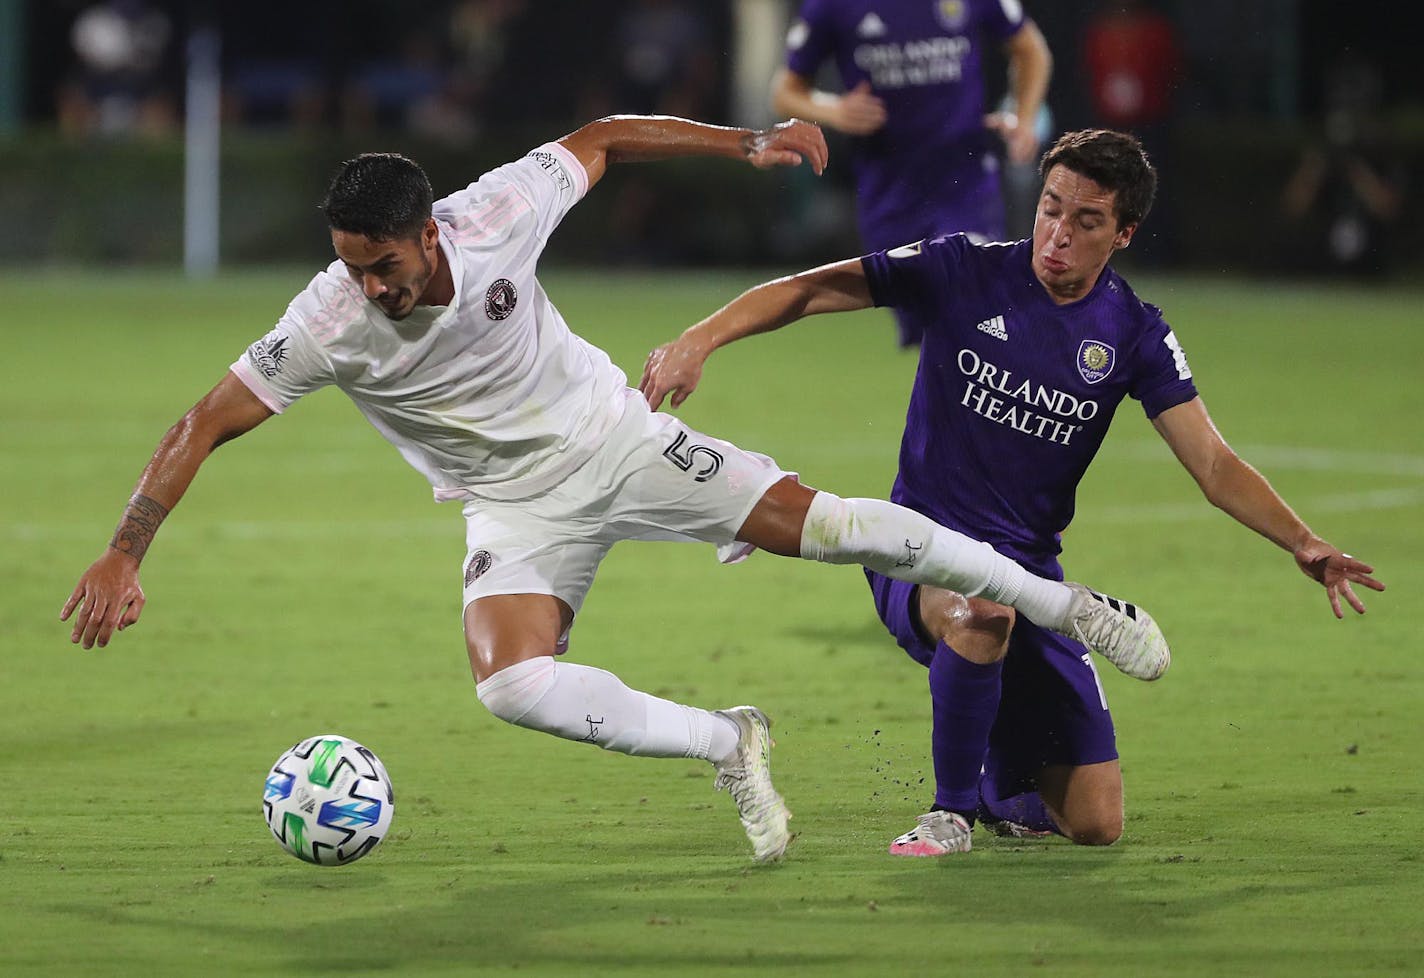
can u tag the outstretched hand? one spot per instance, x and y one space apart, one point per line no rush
786 144
1336 571
107 598
673 368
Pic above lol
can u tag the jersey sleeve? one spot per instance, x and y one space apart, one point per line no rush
289 361
810 39
1003 18
546 183
911 275
1163 379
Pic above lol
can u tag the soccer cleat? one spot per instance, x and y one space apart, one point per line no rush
746 775
1120 632
934 834
1005 829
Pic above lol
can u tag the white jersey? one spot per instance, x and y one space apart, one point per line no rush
490 397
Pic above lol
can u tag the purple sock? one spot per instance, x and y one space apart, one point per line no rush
965 697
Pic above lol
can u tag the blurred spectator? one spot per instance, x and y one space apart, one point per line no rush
480 37
1347 191
1132 57
410 91
118 85
276 90
667 62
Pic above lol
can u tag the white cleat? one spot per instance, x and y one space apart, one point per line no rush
934 834
746 775
1120 632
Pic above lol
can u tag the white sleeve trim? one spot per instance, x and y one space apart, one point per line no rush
244 372
572 164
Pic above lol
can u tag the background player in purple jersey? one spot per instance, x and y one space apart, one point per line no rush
924 151
1029 349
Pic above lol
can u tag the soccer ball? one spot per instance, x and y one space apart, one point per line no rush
328 800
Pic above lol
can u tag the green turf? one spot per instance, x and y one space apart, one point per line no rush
308 585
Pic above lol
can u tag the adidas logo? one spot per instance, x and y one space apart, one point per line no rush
1117 604
871 26
994 327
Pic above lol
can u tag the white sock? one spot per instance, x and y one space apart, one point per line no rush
578 702
908 546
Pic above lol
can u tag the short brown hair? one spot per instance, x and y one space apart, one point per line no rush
1113 160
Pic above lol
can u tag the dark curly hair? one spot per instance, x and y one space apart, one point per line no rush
1113 160
383 196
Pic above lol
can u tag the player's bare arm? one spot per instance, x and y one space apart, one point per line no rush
1030 68
1234 486
858 112
640 139
108 596
675 368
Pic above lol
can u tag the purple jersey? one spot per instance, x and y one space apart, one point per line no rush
1014 393
930 169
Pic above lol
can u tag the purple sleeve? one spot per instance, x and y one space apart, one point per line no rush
810 39
1002 19
913 275
1163 378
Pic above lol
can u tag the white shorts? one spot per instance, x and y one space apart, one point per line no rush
653 479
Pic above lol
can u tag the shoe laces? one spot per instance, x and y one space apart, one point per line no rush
1099 626
744 789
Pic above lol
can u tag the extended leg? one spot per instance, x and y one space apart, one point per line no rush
511 640
795 520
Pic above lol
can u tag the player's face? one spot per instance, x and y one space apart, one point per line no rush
1075 232
392 274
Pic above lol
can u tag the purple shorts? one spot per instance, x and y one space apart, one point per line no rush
1053 709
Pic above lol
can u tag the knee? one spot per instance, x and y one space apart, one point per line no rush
976 628
512 692
1101 830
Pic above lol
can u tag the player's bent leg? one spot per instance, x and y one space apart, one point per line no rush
1085 801
512 641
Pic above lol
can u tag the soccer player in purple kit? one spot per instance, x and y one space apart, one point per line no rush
1029 349
923 150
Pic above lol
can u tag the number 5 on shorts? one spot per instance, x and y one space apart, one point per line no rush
711 460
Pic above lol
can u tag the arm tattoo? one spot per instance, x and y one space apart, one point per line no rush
139 524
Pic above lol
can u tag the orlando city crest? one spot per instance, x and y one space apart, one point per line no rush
1095 360
952 14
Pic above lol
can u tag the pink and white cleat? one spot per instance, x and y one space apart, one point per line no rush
934 834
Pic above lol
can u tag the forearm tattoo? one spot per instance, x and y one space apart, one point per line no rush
139 524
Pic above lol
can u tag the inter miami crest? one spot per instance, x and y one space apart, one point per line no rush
480 561
1095 360
500 299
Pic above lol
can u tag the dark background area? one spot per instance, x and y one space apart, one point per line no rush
1250 99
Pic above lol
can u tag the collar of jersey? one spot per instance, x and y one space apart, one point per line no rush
457 274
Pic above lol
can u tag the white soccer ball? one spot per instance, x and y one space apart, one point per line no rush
328 800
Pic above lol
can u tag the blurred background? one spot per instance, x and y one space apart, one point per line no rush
163 132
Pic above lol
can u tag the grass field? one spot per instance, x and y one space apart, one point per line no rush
308 585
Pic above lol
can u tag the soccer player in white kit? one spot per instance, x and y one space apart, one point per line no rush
432 321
